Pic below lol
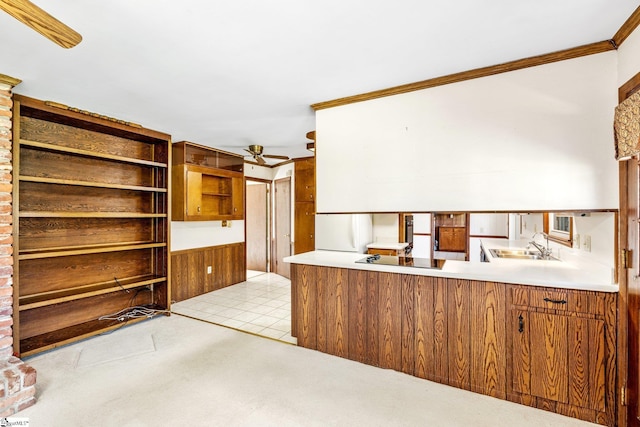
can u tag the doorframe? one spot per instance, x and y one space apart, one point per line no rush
630 386
275 208
269 226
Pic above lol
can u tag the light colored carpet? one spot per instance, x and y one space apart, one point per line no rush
207 375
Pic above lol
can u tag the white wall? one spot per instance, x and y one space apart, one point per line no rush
201 234
494 224
599 226
386 228
629 57
533 139
256 171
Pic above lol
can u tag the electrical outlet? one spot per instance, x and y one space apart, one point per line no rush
587 243
208 269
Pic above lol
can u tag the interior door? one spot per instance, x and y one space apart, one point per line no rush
257 223
629 282
282 188
630 294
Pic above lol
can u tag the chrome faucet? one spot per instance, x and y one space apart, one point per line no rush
545 252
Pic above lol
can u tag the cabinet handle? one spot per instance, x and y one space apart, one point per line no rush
555 301
520 324
198 208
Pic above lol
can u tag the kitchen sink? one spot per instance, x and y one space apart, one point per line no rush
519 254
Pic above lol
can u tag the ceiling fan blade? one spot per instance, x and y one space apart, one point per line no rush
36 18
273 156
260 161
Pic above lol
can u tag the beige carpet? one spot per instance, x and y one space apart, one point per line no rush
198 374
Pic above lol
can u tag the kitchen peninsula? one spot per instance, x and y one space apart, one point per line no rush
540 333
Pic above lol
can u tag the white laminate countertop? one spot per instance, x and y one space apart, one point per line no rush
572 273
392 246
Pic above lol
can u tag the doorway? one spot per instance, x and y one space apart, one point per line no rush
282 233
258 221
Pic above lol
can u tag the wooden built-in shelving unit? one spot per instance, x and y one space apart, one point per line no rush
91 202
208 184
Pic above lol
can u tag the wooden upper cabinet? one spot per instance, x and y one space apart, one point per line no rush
305 175
208 184
304 207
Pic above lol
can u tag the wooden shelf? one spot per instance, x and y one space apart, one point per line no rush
84 251
57 214
208 184
91 154
216 194
76 247
57 181
74 333
43 299
91 222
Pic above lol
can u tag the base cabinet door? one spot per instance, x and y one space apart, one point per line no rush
559 358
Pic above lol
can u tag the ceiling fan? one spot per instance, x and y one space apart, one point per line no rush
36 18
256 153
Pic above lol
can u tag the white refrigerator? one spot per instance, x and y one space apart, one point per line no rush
344 232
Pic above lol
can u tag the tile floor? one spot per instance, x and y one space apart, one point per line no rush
260 305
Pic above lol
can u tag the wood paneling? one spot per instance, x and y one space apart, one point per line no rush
189 277
491 338
488 335
357 315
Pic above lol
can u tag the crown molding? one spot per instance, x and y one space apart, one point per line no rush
562 55
627 28
8 80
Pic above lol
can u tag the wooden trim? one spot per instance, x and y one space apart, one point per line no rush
629 88
100 123
208 148
562 55
627 28
205 248
625 374
8 80
486 236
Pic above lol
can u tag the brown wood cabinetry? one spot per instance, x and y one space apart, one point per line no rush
304 206
390 252
451 231
452 239
563 351
521 343
208 184
190 274
91 202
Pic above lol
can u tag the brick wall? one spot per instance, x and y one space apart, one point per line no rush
17 379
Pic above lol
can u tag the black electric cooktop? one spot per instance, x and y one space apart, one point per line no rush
400 261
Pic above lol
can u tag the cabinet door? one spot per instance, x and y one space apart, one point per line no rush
559 358
304 238
194 193
304 187
237 198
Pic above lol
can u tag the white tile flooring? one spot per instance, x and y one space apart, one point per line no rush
260 305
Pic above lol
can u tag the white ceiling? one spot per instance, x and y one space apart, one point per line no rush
239 72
